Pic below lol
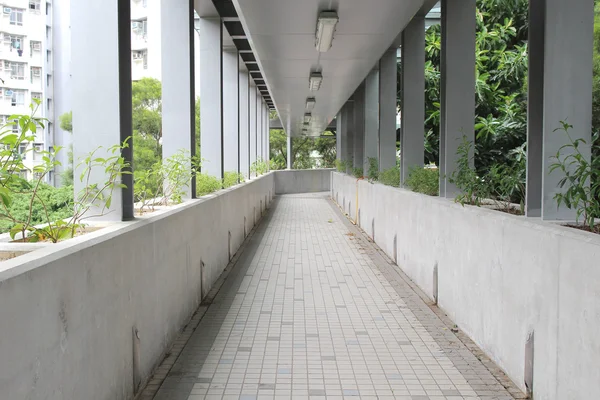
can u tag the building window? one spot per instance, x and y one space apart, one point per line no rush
36 73
23 151
140 28
49 105
141 55
48 55
47 8
34 46
35 6
36 96
48 77
17 71
18 98
16 16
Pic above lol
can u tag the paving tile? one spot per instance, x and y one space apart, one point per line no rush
310 312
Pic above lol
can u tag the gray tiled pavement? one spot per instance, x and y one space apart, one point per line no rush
308 312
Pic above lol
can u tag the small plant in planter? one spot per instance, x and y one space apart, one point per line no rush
424 180
390 177
232 178
474 189
15 136
166 181
580 178
259 167
373 170
357 172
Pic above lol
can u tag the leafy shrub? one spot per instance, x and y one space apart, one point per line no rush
390 177
232 178
41 217
343 165
580 176
58 201
259 167
206 184
373 170
473 189
165 182
357 172
424 180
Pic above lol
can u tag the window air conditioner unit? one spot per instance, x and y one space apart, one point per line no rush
138 56
37 147
37 46
7 10
36 72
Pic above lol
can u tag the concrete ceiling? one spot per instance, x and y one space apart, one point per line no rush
281 34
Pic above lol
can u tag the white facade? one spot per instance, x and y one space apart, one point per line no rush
145 39
61 49
26 71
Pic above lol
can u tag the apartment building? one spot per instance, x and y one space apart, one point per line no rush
26 69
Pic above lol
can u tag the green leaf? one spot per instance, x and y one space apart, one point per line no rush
18 228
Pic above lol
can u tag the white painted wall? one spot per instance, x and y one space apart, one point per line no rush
68 310
500 277
302 181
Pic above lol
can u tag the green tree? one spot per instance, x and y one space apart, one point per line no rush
501 75
325 146
147 109
66 124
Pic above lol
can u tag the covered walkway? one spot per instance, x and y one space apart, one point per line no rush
312 309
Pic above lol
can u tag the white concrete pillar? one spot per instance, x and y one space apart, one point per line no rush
259 126
252 109
244 123
105 54
567 91
371 132
413 93
348 135
290 161
231 109
211 95
178 92
338 135
359 126
457 85
266 133
388 86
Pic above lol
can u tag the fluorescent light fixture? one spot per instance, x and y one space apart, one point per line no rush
310 103
325 29
316 78
307 118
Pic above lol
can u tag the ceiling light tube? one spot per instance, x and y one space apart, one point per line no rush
316 78
325 29
310 103
307 118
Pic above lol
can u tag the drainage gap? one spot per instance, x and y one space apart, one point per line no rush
396 249
435 283
529 353
229 244
137 376
373 228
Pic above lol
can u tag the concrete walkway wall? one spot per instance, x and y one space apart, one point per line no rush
302 181
499 277
68 312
